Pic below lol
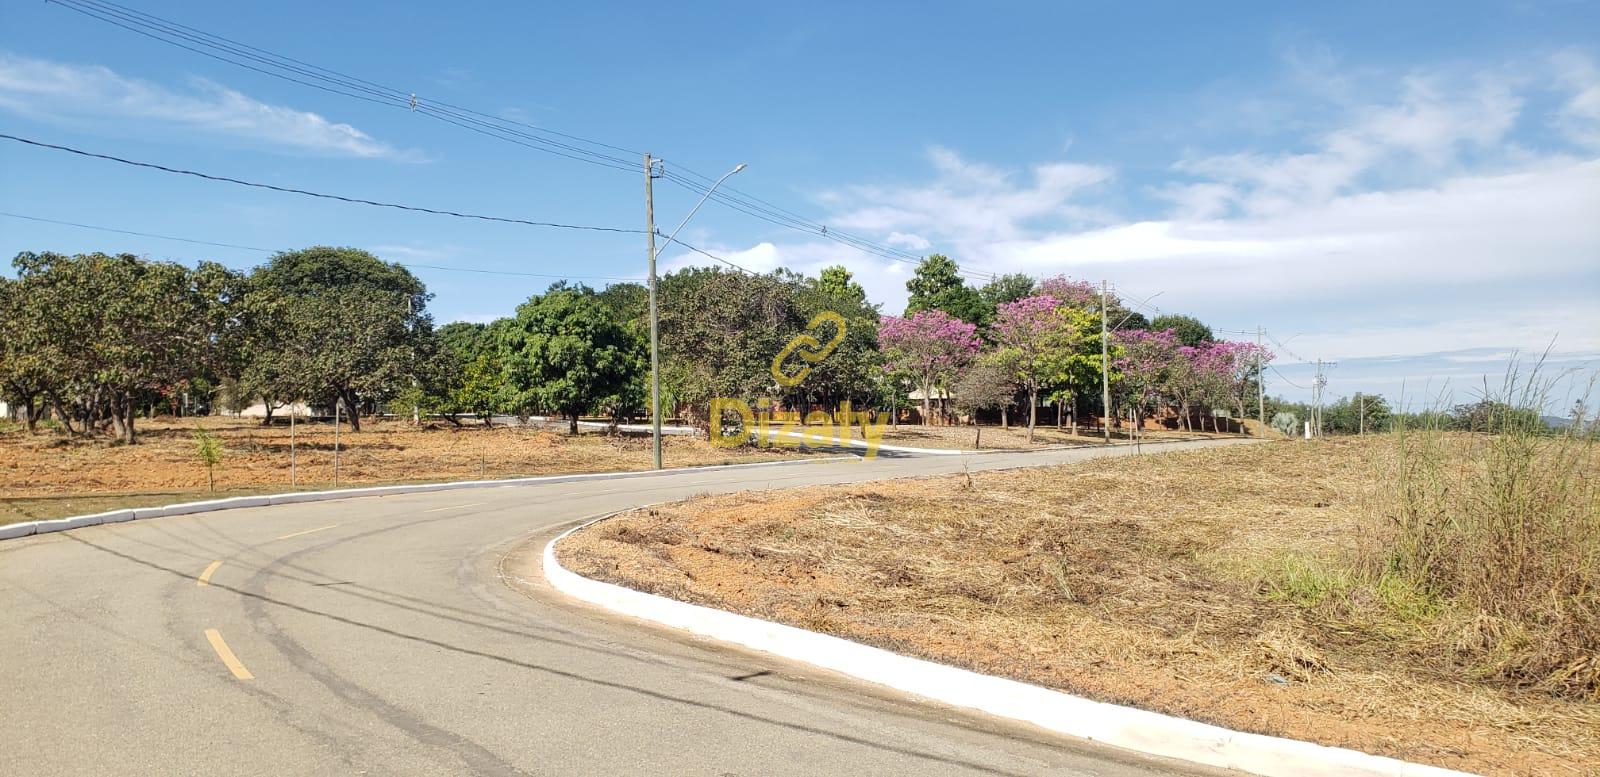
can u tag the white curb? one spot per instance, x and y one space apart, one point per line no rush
28 528
1126 727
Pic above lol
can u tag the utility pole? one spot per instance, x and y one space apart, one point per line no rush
1362 424
1261 387
655 335
1105 365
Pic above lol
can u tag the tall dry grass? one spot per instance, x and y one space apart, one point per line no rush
1492 541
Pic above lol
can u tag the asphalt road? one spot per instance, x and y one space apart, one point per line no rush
414 635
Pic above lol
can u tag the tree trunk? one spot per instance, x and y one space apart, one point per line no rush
977 440
348 397
927 403
127 424
266 402
1059 403
1033 411
116 415
572 423
1005 416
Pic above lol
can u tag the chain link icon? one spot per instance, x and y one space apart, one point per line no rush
808 348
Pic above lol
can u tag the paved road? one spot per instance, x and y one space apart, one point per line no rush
413 635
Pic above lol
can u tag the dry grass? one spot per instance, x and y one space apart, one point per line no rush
1016 437
1200 584
48 476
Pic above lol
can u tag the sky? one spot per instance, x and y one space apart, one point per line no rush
1408 190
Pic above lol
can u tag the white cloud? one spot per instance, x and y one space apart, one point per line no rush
69 92
1437 218
1426 130
977 202
1580 115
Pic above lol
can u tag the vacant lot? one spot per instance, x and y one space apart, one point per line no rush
45 475
1227 586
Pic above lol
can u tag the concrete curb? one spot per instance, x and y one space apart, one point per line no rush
1134 729
28 528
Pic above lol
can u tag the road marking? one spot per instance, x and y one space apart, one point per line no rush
308 531
227 656
455 507
205 577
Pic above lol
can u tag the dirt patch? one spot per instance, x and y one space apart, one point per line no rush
1165 582
45 475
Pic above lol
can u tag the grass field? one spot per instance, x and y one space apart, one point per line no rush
1263 587
45 475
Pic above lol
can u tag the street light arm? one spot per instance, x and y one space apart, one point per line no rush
696 209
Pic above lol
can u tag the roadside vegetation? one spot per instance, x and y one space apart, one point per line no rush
98 344
47 476
1430 593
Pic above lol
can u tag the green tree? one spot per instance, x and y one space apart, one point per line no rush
110 330
565 351
1191 331
1006 288
937 285
719 333
338 323
839 285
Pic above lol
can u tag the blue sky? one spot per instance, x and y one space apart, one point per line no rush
1411 189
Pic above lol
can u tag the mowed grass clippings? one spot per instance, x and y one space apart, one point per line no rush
46 475
1193 583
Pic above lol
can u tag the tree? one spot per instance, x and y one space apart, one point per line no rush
1075 370
1145 364
931 345
1188 329
984 386
1033 336
937 284
566 352
719 333
29 360
105 331
1357 414
1006 288
838 284
337 322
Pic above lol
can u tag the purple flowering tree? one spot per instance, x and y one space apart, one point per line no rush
931 345
1235 369
1031 335
1146 365
1079 294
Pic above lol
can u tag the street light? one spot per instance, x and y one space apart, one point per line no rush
655 319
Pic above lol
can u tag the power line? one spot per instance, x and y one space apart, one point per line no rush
273 251
139 234
306 74
519 133
308 193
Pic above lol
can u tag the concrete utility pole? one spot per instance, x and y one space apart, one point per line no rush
655 319
655 336
1261 387
1105 365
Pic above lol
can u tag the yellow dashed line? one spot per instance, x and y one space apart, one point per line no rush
227 656
455 507
307 531
205 577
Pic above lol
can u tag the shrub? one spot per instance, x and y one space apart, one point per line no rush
1503 531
